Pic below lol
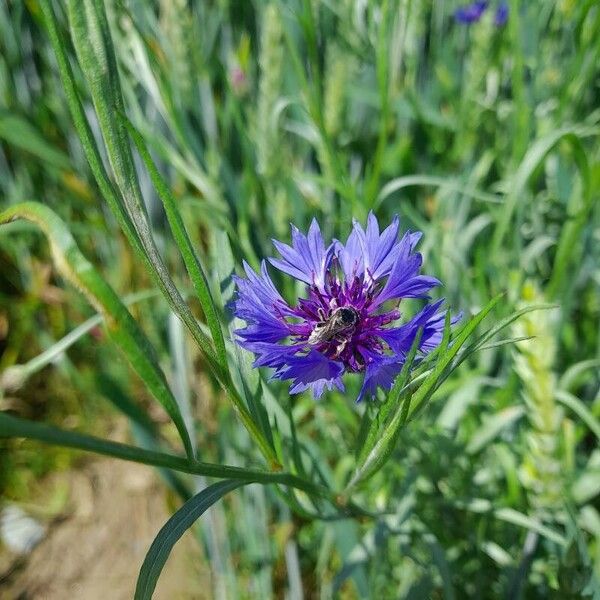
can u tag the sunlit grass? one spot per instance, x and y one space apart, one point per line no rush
163 143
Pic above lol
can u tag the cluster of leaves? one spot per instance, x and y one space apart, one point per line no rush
177 138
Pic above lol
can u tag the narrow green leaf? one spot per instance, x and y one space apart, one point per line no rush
120 325
491 428
15 427
11 427
586 486
252 412
509 515
17 375
92 40
569 246
184 244
391 402
93 43
23 134
530 163
507 342
366 423
427 180
463 334
406 367
481 342
296 452
156 269
385 443
83 128
173 529
572 375
580 409
517 518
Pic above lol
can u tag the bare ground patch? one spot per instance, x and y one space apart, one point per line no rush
94 549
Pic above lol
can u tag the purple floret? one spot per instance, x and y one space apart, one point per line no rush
348 320
470 13
501 16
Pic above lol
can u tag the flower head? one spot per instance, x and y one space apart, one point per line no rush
471 13
501 16
348 320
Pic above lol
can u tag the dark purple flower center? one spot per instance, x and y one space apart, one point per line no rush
338 321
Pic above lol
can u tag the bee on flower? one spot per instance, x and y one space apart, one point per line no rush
348 321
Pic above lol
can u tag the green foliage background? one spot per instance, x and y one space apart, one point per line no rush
222 122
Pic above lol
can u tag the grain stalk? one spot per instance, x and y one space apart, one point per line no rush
271 70
175 19
534 360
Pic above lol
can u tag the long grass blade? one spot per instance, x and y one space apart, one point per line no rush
15 427
17 375
184 244
141 247
120 325
173 529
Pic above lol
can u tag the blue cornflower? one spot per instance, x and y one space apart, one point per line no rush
348 320
471 13
501 16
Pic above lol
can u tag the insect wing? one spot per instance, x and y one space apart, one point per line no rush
327 330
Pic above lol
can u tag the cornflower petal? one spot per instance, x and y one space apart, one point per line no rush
404 280
400 339
379 248
312 371
350 255
259 304
307 259
273 355
381 372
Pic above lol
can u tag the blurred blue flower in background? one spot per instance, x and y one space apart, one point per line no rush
471 13
501 15
346 322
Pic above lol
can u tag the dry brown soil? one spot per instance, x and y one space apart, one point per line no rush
93 550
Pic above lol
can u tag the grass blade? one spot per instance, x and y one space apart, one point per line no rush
580 409
494 425
184 244
155 269
173 529
530 163
120 325
15 427
16 375
381 417
430 181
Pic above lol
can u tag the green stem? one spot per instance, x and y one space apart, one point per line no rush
11 427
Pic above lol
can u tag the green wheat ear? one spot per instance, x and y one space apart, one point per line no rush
534 358
271 71
176 21
339 68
